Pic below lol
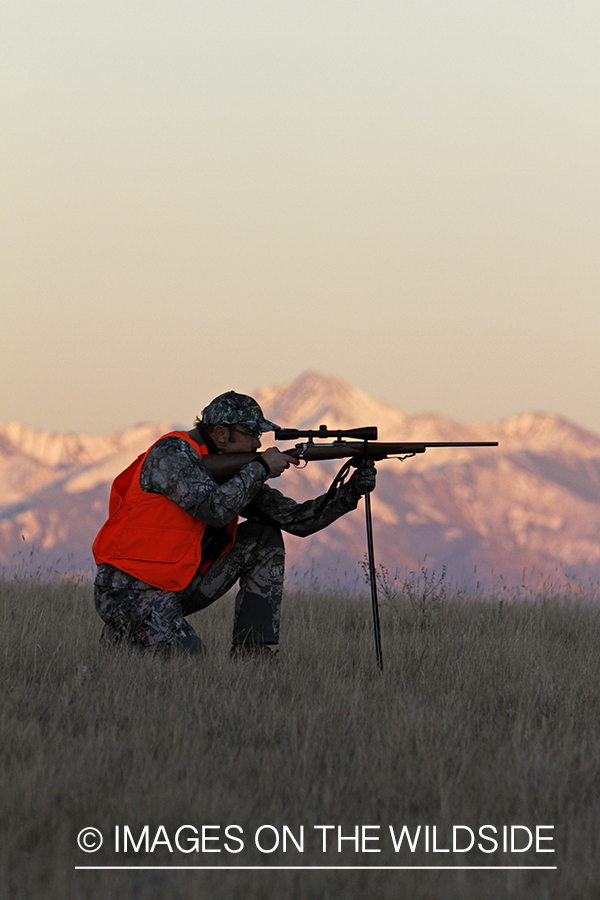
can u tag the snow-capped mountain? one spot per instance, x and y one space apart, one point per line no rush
530 506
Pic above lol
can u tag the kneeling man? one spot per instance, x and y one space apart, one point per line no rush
172 544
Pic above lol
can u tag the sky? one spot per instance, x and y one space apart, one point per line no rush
198 197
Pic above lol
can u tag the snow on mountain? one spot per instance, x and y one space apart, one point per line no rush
530 506
54 489
64 450
313 399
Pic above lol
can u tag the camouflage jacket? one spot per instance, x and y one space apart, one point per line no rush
173 468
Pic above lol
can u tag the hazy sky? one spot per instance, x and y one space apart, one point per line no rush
199 196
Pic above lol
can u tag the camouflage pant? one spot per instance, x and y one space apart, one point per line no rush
156 618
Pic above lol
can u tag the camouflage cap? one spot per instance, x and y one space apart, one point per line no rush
236 409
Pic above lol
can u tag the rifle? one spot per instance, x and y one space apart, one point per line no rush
364 445
362 449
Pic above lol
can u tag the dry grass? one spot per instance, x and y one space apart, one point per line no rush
486 713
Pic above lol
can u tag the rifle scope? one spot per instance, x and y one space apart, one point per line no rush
359 434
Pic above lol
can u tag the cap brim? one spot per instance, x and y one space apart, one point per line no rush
265 425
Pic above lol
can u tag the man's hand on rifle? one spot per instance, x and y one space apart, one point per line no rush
277 461
364 478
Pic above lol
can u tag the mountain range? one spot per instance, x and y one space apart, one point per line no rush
526 512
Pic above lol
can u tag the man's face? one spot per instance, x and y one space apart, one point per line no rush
235 439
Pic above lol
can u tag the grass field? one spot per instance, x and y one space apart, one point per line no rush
487 713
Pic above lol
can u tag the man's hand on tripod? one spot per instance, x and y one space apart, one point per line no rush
364 479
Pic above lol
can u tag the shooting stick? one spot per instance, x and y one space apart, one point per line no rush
360 452
373 581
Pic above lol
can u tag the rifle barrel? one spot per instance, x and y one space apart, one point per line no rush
373 449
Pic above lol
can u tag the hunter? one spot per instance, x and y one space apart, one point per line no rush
172 544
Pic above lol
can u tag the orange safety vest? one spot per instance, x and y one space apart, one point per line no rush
151 537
